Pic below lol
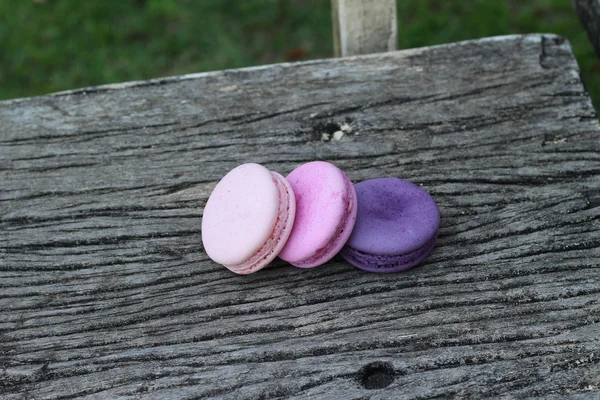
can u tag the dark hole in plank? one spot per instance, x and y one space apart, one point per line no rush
376 375
325 127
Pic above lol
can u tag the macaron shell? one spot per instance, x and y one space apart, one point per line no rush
321 205
394 217
344 232
387 264
280 234
240 214
339 239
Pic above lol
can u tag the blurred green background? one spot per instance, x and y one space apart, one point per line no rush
52 45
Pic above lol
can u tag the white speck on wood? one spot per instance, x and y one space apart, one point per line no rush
229 88
346 128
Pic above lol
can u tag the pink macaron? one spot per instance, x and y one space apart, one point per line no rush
248 218
325 214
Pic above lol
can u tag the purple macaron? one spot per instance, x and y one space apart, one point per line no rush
396 226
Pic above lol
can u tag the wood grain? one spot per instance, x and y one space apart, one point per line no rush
106 292
364 26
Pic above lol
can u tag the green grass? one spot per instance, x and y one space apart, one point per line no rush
52 45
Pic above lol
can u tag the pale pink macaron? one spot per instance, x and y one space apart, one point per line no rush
248 218
325 214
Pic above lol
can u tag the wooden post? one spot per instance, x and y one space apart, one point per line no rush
364 26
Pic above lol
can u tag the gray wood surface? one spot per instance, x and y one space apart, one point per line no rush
105 291
364 26
589 15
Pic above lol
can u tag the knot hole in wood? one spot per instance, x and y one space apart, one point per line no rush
330 130
376 375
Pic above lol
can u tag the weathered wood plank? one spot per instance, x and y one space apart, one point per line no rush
364 26
105 289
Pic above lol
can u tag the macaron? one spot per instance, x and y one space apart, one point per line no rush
248 218
325 214
396 226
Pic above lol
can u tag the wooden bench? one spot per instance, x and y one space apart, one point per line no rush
106 292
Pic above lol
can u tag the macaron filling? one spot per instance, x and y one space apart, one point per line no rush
388 263
272 246
338 239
